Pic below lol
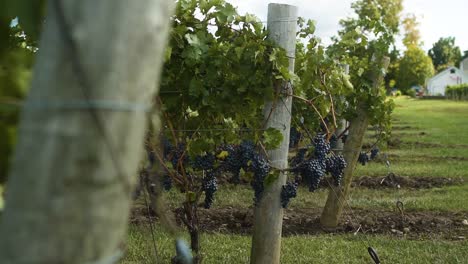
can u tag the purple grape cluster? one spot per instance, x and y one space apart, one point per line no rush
335 166
166 182
294 137
312 172
204 162
363 158
178 155
288 191
322 147
374 152
260 167
232 162
210 186
246 152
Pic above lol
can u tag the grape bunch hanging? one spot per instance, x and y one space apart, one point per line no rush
313 167
364 157
226 158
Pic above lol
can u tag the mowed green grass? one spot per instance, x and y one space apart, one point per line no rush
450 198
326 249
437 153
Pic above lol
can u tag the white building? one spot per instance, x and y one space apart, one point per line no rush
450 76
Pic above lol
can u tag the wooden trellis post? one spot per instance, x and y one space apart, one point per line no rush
337 195
268 219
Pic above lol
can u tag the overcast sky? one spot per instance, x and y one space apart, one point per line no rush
438 18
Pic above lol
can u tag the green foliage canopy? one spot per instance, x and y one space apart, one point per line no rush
415 68
362 43
444 53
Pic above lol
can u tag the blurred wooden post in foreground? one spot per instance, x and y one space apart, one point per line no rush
82 130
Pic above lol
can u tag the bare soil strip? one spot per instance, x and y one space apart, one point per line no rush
395 181
413 225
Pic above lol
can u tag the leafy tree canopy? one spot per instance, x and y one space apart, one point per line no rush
444 53
362 43
415 68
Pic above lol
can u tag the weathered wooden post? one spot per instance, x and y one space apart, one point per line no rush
337 195
81 131
268 219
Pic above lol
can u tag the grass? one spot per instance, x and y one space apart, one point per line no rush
443 153
221 248
443 121
436 199
445 126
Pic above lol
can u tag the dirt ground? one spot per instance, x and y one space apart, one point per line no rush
413 225
395 181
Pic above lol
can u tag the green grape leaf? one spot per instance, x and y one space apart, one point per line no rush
272 138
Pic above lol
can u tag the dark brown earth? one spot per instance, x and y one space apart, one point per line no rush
413 225
395 181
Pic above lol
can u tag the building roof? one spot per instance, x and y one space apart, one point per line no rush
442 73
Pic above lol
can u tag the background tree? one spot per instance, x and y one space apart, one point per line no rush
412 34
444 53
415 67
465 55
392 72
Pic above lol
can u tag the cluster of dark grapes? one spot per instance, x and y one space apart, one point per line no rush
247 152
238 157
210 186
364 158
322 147
313 169
260 168
204 162
288 191
232 162
179 156
294 137
166 182
335 165
244 156
374 152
